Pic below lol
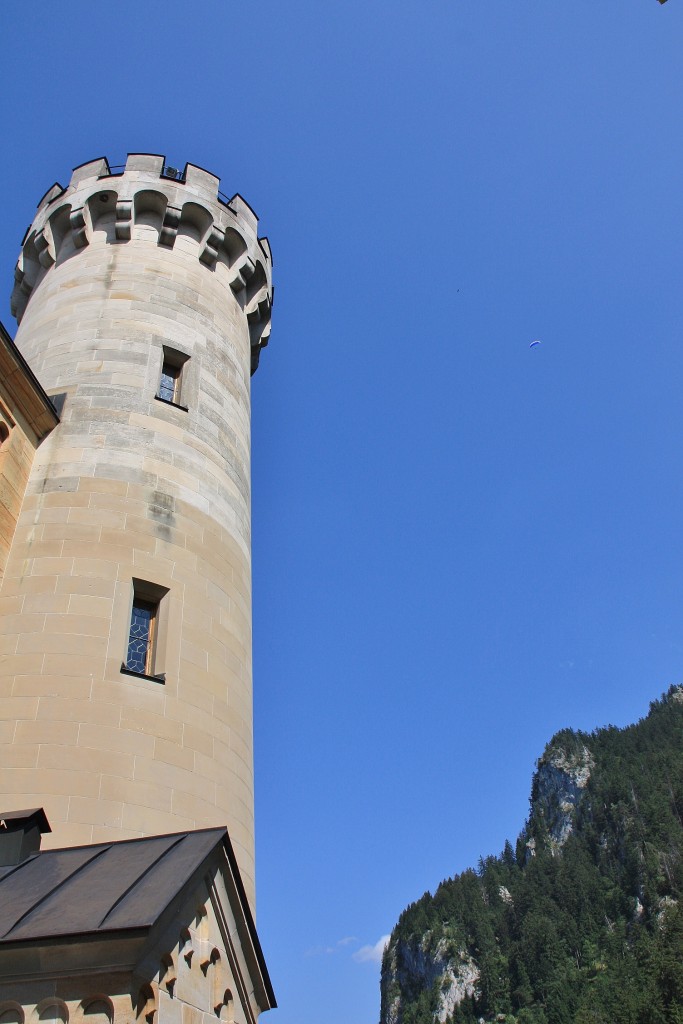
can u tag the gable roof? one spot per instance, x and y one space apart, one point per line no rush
97 889
109 889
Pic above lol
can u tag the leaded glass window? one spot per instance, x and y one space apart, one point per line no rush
141 636
172 377
168 384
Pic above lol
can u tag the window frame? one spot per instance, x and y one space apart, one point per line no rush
151 608
152 598
173 363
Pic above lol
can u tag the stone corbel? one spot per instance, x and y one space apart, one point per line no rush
25 286
241 273
209 253
124 215
20 293
77 221
255 355
258 319
259 309
45 257
169 228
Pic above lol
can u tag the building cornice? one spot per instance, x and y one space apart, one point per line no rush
23 387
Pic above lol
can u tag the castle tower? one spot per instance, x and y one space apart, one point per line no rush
143 297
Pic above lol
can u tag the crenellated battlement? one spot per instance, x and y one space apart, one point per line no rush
114 202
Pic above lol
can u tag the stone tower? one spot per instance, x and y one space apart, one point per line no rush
143 297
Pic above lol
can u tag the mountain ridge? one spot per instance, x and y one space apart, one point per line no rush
580 922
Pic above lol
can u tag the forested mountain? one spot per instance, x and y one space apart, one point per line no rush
581 922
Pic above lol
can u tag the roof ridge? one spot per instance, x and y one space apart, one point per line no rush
132 839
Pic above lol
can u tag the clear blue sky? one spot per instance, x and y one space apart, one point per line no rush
461 544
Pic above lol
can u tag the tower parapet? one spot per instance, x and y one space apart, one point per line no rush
147 191
144 301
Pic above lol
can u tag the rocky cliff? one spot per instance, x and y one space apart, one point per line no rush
580 922
559 783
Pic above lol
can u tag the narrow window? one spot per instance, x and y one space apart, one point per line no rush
171 379
146 632
169 385
141 637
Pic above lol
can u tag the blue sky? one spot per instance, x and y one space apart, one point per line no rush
461 543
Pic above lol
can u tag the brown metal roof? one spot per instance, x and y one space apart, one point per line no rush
113 889
98 889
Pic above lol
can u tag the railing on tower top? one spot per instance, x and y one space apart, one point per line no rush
171 174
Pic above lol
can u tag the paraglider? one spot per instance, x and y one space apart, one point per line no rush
537 342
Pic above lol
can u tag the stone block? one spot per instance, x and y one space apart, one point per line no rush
148 821
19 756
17 709
172 753
71 710
88 587
142 794
87 761
42 602
64 734
84 810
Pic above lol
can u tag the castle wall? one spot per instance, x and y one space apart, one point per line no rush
26 416
131 497
17 447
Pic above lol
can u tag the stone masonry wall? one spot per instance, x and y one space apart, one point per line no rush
128 488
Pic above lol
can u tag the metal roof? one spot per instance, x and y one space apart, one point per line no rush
108 887
110 890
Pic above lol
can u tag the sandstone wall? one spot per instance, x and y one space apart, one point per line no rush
130 491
